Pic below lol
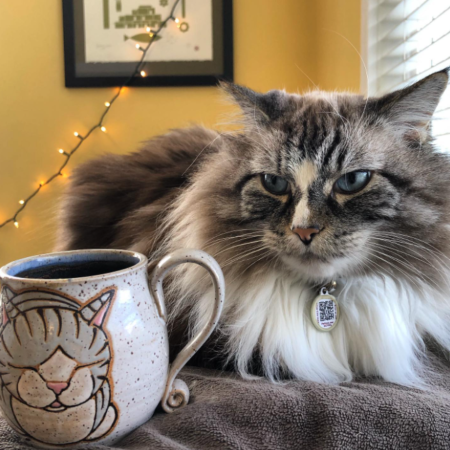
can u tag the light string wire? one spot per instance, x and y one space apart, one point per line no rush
108 105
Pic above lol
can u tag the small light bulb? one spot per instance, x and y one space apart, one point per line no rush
143 73
61 151
138 46
103 129
177 20
107 104
148 29
21 202
76 134
16 224
41 183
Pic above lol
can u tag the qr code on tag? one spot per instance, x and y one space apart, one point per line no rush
326 310
326 313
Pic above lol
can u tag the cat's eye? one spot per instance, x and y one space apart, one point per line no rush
274 184
352 182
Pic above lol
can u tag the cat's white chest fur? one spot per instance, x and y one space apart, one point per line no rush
71 425
380 331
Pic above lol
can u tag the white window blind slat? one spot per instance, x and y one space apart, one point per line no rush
418 36
392 81
431 55
408 40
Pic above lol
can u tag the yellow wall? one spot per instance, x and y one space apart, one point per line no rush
292 44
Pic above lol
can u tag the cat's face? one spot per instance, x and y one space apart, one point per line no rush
332 184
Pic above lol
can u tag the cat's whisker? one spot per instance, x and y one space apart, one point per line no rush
238 258
262 257
260 145
228 241
382 270
238 275
376 254
219 136
318 88
413 254
411 268
244 236
226 249
413 251
236 230
417 244
444 273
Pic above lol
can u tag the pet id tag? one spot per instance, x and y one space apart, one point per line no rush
325 311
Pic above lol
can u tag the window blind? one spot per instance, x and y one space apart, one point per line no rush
408 40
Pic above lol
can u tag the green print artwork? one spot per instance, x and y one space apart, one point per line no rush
142 17
114 28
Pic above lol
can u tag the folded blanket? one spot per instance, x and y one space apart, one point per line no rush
226 412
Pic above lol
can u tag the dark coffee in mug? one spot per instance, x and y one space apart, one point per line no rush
75 270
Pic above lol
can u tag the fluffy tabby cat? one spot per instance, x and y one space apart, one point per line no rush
315 187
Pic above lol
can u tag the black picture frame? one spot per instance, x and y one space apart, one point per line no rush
73 31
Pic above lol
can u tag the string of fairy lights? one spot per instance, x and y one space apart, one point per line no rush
138 71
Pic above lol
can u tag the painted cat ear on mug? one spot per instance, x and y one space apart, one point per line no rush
95 311
410 109
7 296
257 108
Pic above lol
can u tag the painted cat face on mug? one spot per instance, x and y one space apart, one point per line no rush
54 361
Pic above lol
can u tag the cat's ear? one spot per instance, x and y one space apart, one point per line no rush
95 311
410 110
258 108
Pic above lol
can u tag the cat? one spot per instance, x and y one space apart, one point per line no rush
54 363
313 188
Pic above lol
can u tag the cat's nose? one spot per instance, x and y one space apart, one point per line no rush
306 234
57 387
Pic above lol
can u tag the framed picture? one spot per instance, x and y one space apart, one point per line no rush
101 36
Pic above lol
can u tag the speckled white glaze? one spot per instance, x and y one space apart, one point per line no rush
134 321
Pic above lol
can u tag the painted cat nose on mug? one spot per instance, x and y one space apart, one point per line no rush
306 234
57 388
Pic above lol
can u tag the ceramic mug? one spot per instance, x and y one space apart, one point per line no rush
84 352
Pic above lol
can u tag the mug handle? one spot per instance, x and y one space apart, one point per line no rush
176 393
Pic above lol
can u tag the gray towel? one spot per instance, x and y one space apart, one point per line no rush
226 412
